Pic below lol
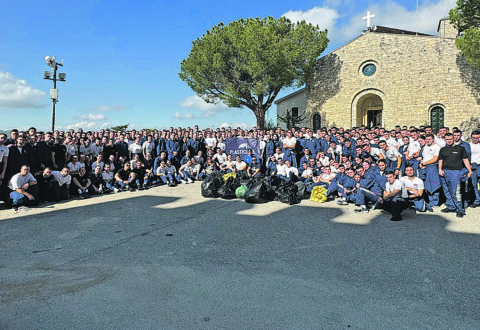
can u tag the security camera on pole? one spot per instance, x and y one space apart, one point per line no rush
53 91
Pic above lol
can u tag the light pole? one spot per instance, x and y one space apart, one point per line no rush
53 91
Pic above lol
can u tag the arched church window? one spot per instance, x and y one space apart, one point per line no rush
317 122
437 118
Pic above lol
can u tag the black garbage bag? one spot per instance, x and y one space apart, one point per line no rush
274 180
259 191
256 192
211 184
227 190
287 193
302 190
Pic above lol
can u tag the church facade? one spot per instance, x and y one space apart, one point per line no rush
390 77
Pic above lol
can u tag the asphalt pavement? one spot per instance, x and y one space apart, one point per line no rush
167 258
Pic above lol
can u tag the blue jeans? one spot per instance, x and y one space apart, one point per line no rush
475 180
418 204
451 188
363 197
166 178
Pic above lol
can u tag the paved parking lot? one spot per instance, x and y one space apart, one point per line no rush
167 258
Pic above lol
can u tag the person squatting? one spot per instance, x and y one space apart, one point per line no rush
368 167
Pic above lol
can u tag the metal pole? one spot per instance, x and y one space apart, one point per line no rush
53 100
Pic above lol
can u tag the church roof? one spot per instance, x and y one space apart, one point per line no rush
384 29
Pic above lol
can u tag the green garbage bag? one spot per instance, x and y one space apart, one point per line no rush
241 191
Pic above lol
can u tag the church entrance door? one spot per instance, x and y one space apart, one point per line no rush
369 110
374 118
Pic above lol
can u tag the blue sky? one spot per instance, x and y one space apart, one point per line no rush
122 58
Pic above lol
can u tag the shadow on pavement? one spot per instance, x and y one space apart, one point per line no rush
219 261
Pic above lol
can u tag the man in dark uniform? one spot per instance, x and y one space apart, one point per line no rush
452 160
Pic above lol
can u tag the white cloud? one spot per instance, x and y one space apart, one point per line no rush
204 109
18 94
387 13
394 15
234 125
82 124
186 115
92 116
324 17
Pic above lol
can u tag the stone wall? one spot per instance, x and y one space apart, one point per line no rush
413 74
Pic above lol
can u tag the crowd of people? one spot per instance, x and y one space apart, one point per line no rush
369 167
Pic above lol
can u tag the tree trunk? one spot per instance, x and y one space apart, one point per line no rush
260 114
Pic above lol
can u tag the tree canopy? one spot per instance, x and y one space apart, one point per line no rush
466 18
247 62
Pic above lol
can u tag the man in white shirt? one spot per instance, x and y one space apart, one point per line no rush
394 196
281 170
135 148
240 165
429 169
61 184
292 172
220 157
289 144
23 188
107 176
475 164
211 142
415 187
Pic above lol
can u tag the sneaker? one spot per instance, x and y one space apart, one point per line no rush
141 188
127 187
184 181
447 210
361 210
342 201
190 180
460 214
115 190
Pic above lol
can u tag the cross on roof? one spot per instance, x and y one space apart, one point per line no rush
368 18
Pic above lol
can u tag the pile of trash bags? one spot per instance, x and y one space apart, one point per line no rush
261 190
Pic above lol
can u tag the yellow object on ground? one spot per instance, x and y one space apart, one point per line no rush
226 176
319 194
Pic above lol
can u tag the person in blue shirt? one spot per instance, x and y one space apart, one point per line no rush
248 157
348 149
306 157
253 170
271 166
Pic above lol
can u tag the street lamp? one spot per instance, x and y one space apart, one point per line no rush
53 91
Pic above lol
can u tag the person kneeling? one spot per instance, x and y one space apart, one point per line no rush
81 184
125 178
24 189
394 196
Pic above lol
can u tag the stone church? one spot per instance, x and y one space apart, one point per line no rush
390 77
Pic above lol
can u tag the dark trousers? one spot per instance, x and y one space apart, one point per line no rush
45 191
395 206
60 193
